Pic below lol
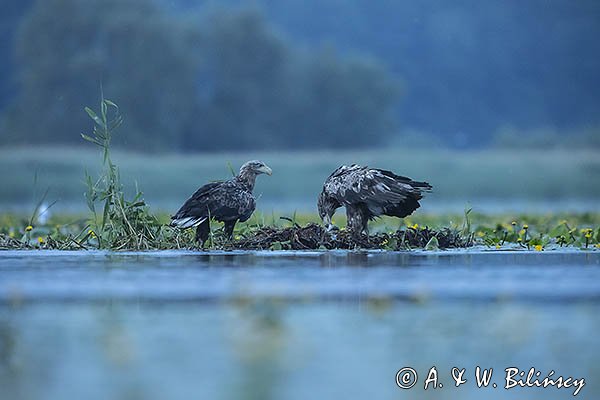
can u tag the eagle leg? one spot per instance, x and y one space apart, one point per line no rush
357 220
228 227
202 232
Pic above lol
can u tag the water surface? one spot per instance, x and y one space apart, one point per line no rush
292 325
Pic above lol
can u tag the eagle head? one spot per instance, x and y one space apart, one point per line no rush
327 206
255 167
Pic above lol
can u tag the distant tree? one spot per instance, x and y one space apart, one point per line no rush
259 91
468 67
343 102
243 81
141 56
12 12
223 81
467 70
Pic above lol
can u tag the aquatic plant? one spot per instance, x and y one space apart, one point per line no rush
122 223
497 232
546 233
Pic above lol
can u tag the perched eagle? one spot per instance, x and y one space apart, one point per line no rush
368 193
226 201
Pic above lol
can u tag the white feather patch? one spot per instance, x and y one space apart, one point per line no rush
187 222
382 187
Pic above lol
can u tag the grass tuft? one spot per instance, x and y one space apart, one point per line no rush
116 223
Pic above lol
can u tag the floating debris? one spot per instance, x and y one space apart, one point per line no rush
296 237
313 237
10 243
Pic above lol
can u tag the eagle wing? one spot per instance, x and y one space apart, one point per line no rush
223 201
195 210
382 191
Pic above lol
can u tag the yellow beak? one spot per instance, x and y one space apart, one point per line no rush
266 170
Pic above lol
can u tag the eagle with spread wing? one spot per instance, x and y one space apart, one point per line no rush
226 201
368 193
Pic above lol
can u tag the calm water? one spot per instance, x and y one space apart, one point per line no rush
271 325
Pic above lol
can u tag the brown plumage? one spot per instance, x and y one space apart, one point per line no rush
227 201
368 193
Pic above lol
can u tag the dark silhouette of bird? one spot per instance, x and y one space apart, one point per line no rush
368 193
225 201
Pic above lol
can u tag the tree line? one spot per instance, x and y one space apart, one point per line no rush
225 79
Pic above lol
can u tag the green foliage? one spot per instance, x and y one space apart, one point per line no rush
543 63
541 234
223 80
122 223
142 56
265 93
496 232
347 100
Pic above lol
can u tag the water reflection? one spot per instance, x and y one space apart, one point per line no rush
272 325
258 337
271 348
10 369
213 277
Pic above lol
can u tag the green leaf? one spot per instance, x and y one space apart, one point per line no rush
433 244
559 230
91 139
110 103
392 244
105 212
94 116
535 241
103 110
115 123
230 168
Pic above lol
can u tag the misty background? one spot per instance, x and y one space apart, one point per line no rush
494 100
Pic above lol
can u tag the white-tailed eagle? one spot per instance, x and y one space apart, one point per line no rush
368 193
226 201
